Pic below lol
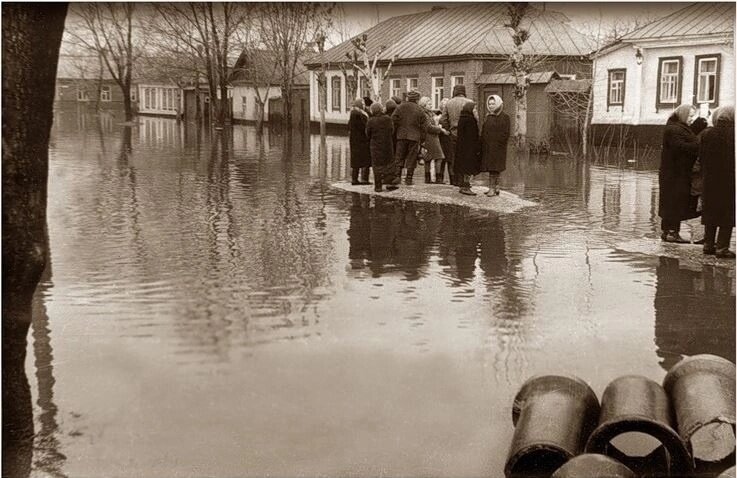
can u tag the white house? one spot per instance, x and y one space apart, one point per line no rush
685 57
159 99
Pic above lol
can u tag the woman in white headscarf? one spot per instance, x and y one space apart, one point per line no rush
494 138
680 149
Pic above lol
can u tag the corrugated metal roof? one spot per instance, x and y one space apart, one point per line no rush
508 78
475 29
697 19
568 86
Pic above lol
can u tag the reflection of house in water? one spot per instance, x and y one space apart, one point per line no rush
694 312
331 160
160 131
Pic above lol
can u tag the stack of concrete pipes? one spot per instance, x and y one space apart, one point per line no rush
640 428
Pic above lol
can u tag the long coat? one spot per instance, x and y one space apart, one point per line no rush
379 133
716 154
409 121
468 145
680 148
360 155
494 138
432 139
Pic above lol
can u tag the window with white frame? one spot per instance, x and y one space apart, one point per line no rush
105 93
348 95
335 93
154 102
412 84
669 81
615 94
164 99
438 90
133 94
707 79
244 105
82 94
365 87
395 87
456 80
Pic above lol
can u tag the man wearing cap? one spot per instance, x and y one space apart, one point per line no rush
409 124
449 120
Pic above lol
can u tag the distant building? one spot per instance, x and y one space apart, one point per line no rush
83 79
467 44
685 57
255 76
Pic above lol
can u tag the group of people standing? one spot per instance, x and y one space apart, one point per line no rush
697 177
402 134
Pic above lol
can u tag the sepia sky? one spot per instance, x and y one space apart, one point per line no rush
584 15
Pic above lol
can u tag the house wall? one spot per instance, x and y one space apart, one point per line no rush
248 111
581 67
641 83
68 91
424 72
164 100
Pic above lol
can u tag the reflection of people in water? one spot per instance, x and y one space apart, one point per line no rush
694 312
358 230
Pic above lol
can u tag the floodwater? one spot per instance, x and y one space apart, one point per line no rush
213 308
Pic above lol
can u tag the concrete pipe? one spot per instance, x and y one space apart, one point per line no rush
553 416
702 390
729 473
592 465
635 427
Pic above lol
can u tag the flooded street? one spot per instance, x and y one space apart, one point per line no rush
213 308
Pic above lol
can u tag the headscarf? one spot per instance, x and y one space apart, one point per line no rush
376 108
367 101
683 112
723 114
358 103
397 100
499 105
390 106
425 102
443 102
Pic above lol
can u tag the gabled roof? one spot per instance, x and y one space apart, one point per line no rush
568 86
697 19
81 67
508 78
257 67
475 29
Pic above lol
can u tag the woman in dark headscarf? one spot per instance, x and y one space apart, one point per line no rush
468 147
716 153
379 133
494 137
680 148
360 154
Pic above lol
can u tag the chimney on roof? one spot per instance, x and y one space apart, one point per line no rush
437 7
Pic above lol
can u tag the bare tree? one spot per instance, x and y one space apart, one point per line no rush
322 82
107 29
370 68
288 30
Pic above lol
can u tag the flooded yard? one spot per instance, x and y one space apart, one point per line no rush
212 307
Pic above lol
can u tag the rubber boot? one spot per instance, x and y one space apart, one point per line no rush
365 175
465 187
440 172
428 175
354 176
408 178
377 182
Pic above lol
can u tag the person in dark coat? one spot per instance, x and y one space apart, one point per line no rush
379 133
716 153
446 145
680 148
433 151
360 154
367 102
409 124
449 120
468 148
494 138
390 106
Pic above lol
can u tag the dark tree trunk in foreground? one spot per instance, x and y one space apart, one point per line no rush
31 39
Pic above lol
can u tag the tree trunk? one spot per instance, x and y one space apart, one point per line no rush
521 121
30 52
585 133
323 100
127 103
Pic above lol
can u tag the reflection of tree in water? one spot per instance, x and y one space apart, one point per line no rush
694 312
47 456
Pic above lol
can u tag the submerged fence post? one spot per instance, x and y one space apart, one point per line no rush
553 417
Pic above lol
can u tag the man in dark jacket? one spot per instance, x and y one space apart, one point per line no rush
680 148
409 125
716 153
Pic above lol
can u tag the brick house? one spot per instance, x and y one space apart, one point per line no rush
468 44
82 79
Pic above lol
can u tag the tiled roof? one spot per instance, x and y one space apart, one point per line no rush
698 19
508 78
475 29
